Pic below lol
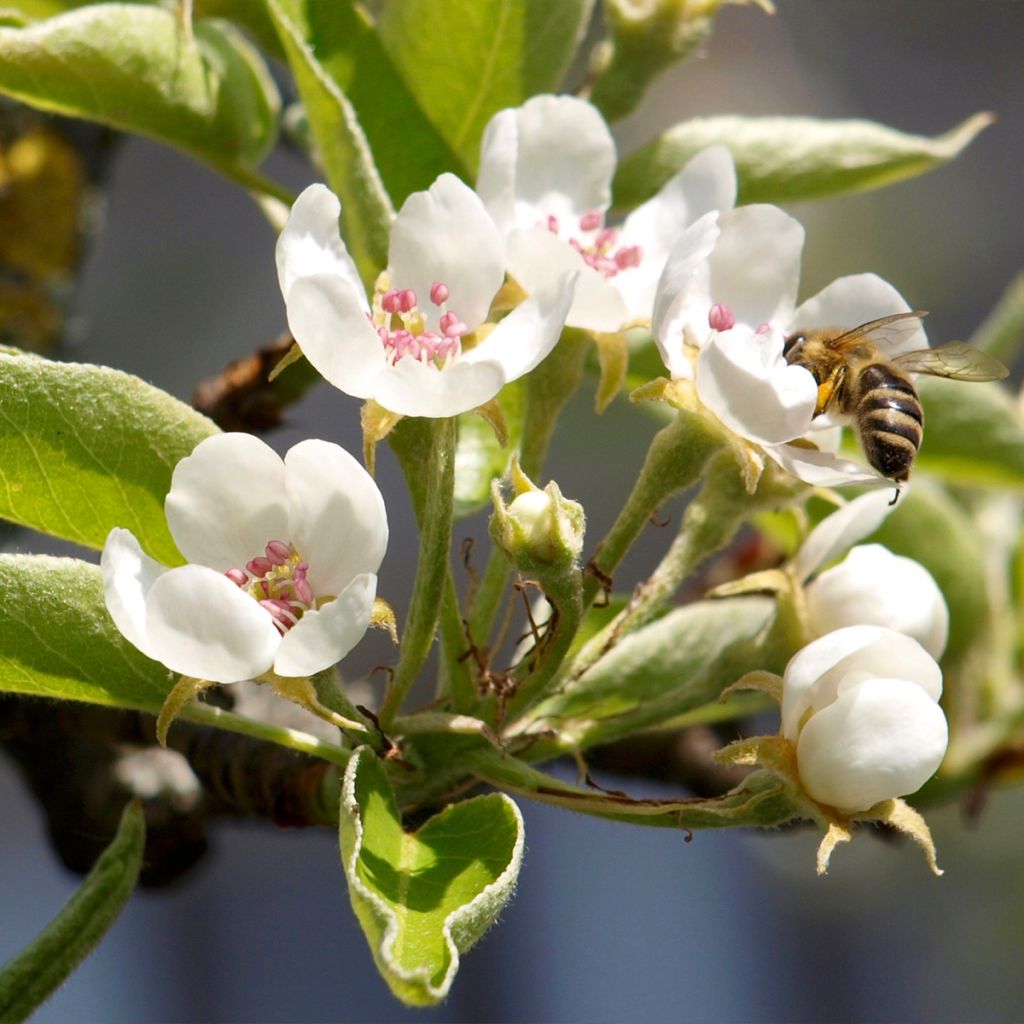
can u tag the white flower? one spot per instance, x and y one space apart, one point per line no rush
742 268
408 348
861 707
545 176
871 586
284 556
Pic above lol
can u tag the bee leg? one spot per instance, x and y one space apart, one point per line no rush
829 388
896 494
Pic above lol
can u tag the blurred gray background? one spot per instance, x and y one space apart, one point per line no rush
609 923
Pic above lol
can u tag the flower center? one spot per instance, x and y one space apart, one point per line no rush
277 579
597 244
402 325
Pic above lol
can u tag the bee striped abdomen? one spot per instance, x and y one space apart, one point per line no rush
890 420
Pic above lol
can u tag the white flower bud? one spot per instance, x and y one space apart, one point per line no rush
874 586
861 707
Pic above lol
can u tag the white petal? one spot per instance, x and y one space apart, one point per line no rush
881 739
680 282
843 528
311 242
338 522
128 575
874 586
200 624
707 184
226 501
537 257
823 469
755 267
322 638
412 389
816 673
446 235
743 379
851 301
524 337
329 323
552 156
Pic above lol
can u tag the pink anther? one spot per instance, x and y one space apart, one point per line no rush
439 293
721 317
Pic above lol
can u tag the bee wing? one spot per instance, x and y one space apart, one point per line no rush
891 329
955 360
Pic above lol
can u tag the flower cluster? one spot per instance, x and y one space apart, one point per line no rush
478 286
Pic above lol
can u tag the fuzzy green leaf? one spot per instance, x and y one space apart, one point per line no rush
135 68
973 434
496 54
781 159
423 898
87 448
479 458
341 143
39 969
57 639
409 151
677 663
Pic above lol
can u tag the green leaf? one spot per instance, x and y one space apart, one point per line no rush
464 60
675 664
87 448
133 67
930 527
424 897
781 159
973 434
38 970
348 163
479 458
57 639
409 151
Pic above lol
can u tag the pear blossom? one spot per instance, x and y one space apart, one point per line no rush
726 302
860 705
872 585
283 557
545 177
411 346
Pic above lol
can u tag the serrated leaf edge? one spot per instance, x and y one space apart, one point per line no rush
499 889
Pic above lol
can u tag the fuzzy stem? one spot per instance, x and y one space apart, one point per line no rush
426 452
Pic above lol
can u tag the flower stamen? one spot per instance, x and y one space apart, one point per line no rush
278 581
599 251
402 326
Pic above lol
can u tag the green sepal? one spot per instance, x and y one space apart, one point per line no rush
781 159
58 640
423 898
32 976
87 448
136 68
496 55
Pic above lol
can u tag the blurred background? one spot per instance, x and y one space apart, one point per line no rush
610 922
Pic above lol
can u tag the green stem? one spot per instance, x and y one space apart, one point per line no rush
426 452
37 971
548 390
492 587
675 460
710 522
295 739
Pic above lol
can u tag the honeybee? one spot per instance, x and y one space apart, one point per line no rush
855 377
